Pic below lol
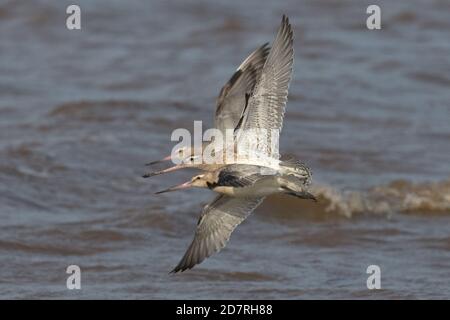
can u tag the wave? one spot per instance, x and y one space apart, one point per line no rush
399 196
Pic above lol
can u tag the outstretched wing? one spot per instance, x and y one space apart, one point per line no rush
216 223
231 100
267 104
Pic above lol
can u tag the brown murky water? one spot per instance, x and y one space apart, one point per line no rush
82 111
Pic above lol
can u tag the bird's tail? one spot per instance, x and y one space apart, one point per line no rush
293 187
297 169
302 195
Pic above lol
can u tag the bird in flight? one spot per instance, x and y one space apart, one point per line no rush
241 189
229 105
252 104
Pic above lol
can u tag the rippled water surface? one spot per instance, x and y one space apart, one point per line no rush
82 111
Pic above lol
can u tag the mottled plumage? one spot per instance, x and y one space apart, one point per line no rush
253 99
214 227
231 100
242 188
267 103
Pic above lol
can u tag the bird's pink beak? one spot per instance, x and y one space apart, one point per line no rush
169 157
177 187
155 173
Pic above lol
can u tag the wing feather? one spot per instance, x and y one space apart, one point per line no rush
231 100
216 223
267 104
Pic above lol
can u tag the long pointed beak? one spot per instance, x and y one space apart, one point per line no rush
159 161
155 173
178 187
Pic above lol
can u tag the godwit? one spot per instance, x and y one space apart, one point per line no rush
255 111
231 100
242 188
242 180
